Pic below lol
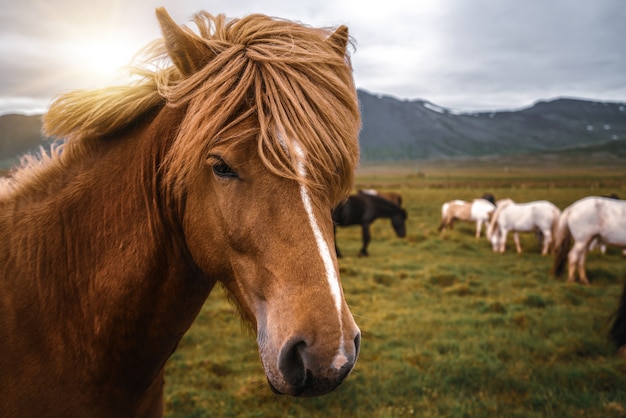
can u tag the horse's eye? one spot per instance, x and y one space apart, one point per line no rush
221 169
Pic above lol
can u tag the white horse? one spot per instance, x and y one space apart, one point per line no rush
590 218
522 217
478 210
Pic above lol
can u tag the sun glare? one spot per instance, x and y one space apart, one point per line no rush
100 61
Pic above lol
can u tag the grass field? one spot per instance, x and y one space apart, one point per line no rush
450 329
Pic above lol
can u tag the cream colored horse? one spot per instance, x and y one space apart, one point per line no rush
479 211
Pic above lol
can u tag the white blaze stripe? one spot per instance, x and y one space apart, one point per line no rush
322 245
324 250
331 273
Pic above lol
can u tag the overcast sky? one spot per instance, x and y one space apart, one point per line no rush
462 54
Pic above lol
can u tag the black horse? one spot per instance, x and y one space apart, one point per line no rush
363 209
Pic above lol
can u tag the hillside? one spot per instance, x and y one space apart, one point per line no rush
396 129
18 134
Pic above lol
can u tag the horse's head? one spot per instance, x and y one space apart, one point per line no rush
398 221
267 148
489 197
494 237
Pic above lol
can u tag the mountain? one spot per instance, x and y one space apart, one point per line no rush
396 129
18 134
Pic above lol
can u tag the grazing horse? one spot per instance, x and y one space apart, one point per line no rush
479 210
590 218
363 209
222 163
522 217
391 196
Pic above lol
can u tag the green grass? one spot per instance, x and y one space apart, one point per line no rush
450 329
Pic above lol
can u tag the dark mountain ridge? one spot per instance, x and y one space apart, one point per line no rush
396 129
19 134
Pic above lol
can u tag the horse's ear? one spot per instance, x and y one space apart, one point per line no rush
187 53
339 39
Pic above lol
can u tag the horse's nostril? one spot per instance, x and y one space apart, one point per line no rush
291 363
306 372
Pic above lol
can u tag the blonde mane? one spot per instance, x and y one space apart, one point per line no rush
290 79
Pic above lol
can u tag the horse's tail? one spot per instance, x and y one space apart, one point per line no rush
617 333
444 216
553 228
562 239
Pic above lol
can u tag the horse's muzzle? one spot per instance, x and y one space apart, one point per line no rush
305 375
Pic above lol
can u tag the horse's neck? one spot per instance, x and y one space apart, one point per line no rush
386 209
97 263
94 208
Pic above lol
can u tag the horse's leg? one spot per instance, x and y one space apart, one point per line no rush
445 223
503 234
573 259
366 239
547 241
518 247
571 265
479 226
582 273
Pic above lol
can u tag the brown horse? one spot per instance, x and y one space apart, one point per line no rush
394 197
219 165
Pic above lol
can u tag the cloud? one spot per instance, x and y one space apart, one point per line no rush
463 54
